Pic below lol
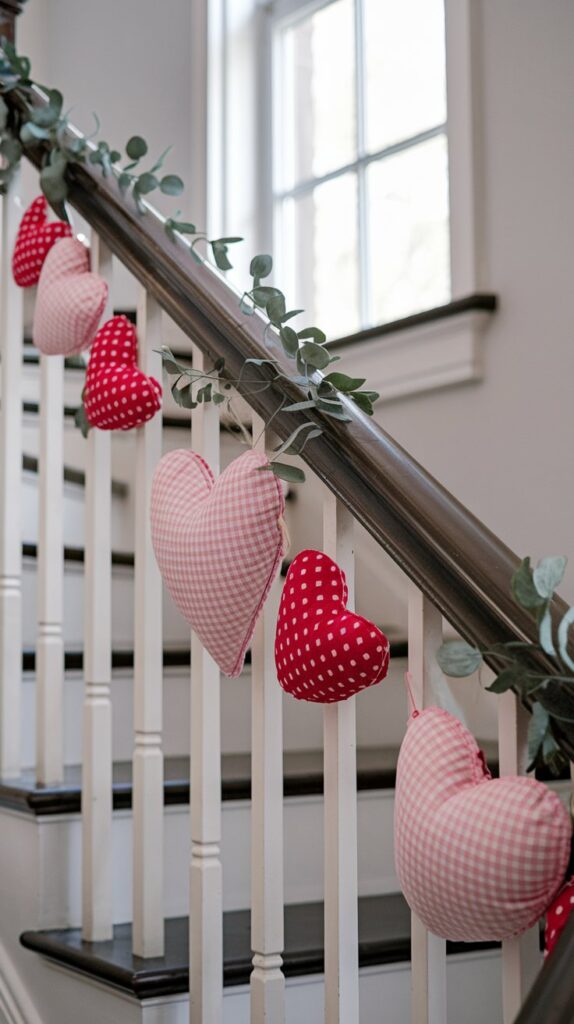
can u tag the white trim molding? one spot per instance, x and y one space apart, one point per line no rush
15 1002
423 357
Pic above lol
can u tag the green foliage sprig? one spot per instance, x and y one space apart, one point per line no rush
63 146
551 695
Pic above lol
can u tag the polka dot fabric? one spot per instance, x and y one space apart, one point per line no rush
69 302
34 240
219 545
323 651
118 396
557 915
478 859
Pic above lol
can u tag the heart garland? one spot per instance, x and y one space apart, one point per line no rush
70 300
35 238
117 395
478 859
323 651
219 545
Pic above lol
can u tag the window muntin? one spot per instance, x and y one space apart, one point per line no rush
360 177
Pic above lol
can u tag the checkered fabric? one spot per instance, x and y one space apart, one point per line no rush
478 858
70 300
219 546
323 652
34 240
117 395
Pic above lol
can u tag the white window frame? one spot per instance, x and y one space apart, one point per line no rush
425 357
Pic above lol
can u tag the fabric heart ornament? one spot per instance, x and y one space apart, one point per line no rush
70 300
35 238
557 915
219 545
117 395
323 651
478 859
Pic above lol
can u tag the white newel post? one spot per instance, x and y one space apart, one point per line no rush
11 338
267 979
340 787
148 923
206 908
50 640
97 715
521 957
428 951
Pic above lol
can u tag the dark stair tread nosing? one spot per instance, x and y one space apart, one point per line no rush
384 938
302 776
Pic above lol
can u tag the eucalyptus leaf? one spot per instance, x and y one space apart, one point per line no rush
315 333
342 382
300 406
508 679
146 183
290 445
53 184
219 251
286 472
290 314
11 149
275 309
262 294
314 355
30 133
183 396
218 398
289 340
548 574
3 114
458 659
523 589
362 402
204 393
171 185
124 181
136 147
558 699
545 632
81 421
538 727
563 630
261 266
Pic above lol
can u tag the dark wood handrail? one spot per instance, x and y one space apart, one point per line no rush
451 556
551 999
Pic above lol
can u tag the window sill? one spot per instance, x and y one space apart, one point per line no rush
435 349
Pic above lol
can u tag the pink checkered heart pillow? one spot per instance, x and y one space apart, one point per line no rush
478 858
36 236
70 300
219 545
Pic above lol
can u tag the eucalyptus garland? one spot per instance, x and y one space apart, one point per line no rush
550 695
306 346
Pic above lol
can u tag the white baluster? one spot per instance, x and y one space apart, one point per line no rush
11 337
340 773
50 641
205 917
97 716
428 951
148 925
521 957
267 979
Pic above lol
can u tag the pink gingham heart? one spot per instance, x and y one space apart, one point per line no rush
478 859
219 545
70 300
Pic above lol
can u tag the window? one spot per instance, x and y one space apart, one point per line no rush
360 162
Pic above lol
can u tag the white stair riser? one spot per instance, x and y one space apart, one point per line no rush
175 629
60 847
381 714
122 533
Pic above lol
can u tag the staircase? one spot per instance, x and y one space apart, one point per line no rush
290 908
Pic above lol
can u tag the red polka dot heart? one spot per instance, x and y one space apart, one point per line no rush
324 652
117 395
35 238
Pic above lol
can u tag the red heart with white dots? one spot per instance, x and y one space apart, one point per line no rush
323 651
34 240
117 395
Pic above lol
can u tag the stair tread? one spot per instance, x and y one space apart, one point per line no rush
384 938
302 776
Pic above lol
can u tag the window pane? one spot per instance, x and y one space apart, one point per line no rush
408 230
318 94
405 69
320 240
